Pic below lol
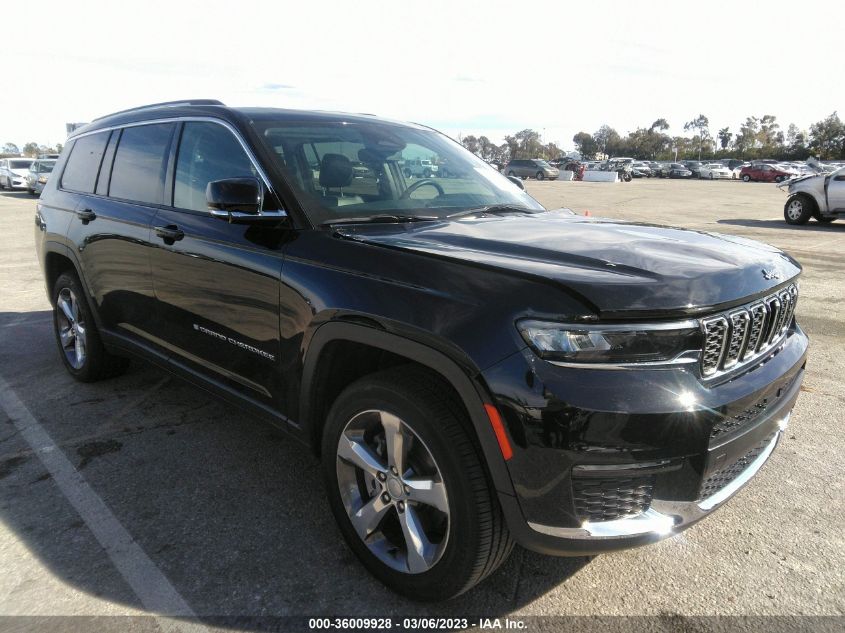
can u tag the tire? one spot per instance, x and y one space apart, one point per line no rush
798 210
31 192
473 539
746 178
711 175
75 330
511 173
779 178
540 175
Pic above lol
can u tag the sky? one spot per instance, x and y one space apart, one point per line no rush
489 67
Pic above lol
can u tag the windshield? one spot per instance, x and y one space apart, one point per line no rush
19 164
46 167
362 169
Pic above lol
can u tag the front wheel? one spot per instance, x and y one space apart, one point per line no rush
746 178
798 210
407 487
540 175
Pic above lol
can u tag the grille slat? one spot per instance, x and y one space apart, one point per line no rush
735 338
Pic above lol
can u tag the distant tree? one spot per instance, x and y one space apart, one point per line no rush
31 150
796 143
660 125
11 148
827 138
607 139
746 140
724 135
59 148
702 125
586 145
471 143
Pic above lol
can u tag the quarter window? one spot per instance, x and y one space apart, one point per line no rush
81 171
207 152
139 162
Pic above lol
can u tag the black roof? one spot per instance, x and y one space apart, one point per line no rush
216 109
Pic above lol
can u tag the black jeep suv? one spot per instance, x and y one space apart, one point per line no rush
472 369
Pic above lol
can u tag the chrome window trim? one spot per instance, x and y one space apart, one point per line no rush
185 119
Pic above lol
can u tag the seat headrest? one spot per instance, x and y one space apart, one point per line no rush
335 171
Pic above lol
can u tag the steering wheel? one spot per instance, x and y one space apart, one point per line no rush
420 183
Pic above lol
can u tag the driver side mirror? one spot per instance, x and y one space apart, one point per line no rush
517 181
238 201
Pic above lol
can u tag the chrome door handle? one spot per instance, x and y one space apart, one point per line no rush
86 215
170 233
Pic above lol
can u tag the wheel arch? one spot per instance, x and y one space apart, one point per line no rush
472 394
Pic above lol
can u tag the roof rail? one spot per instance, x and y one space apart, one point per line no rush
165 104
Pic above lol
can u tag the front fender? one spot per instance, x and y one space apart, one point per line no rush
468 386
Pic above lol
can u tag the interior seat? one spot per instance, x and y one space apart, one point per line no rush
336 173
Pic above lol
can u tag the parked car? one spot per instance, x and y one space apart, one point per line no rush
733 163
533 168
820 196
764 172
714 171
450 349
13 172
641 170
419 167
38 174
694 167
677 170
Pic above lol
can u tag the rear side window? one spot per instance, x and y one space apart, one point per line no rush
84 162
138 170
207 152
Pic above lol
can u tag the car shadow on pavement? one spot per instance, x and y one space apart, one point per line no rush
781 224
17 193
230 509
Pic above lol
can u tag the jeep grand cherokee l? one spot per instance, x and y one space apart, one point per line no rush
472 369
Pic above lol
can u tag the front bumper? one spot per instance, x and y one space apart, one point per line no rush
671 468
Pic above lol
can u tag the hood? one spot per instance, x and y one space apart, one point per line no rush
615 266
797 179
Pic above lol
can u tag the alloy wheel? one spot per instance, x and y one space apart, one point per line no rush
393 492
72 331
795 209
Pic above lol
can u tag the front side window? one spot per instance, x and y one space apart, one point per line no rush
139 162
360 169
85 157
207 152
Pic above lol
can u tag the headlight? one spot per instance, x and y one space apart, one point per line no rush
616 344
42 180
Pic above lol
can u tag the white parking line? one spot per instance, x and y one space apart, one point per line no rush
148 582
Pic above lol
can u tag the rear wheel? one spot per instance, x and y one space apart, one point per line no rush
798 210
407 488
81 349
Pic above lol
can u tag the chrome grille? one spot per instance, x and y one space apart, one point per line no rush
758 313
736 342
737 337
715 335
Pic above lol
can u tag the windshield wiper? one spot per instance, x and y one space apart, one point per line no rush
494 208
381 219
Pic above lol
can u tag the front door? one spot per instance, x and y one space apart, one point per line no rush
836 192
217 284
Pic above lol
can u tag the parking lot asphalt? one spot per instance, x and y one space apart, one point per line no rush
223 513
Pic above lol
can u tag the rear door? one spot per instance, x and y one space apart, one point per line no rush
114 182
217 284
